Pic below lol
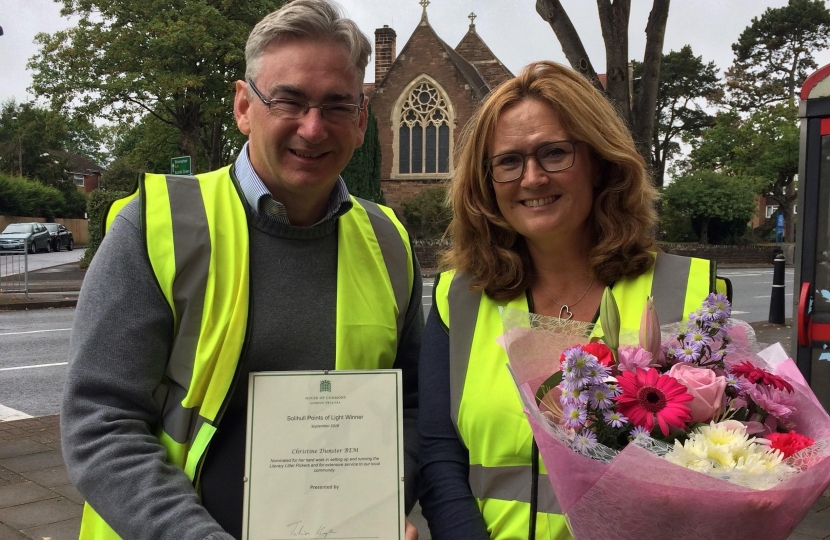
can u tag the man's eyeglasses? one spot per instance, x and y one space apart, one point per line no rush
293 109
552 157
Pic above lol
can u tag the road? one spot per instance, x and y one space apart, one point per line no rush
33 344
33 361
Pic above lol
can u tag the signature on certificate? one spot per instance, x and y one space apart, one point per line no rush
298 528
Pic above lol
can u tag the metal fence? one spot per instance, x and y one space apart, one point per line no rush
14 272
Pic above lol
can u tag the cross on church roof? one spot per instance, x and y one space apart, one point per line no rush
472 17
424 3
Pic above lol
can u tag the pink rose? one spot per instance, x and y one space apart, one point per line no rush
706 388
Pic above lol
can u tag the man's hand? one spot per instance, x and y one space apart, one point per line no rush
411 531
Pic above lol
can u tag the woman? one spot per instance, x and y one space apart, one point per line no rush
551 203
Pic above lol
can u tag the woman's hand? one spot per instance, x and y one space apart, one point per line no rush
411 531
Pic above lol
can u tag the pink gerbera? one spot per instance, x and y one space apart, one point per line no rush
647 394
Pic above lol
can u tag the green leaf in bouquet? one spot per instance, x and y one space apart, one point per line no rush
609 316
549 384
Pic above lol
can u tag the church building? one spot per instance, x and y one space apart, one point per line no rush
422 98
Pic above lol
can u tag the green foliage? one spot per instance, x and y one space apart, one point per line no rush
173 59
120 176
28 133
362 174
98 203
763 145
676 226
686 84
427 214
24 197
774 54
706 196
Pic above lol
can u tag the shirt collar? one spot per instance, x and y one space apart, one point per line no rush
260 200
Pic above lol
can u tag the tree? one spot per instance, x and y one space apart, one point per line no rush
173 59
25 197
705 196
29 133
685 82
362 174
774 54
427 213
637 110
763 146
119 176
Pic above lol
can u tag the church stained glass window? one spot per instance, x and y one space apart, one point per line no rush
424 133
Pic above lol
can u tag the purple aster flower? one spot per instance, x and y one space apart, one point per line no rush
613 389
694 316
570 384
639 433
575 416
698 336
690 352
578 365
577 396
585 441
721 305
601 397
615 419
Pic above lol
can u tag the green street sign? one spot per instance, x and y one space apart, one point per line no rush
180 165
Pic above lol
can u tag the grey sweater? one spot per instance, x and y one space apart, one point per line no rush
120 344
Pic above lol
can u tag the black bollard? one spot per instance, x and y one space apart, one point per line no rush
776 299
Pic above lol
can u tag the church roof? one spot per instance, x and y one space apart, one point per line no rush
477 53
478 83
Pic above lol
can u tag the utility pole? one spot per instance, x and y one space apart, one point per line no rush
19 147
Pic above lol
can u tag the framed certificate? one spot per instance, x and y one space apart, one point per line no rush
324 456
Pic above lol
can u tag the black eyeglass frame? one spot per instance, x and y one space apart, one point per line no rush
488 163
323 106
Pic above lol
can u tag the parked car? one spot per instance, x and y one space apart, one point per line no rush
61 236
20 236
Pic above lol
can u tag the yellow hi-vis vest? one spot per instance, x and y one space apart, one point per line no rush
196 234
485 406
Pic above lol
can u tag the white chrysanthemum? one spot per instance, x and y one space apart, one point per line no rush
726 451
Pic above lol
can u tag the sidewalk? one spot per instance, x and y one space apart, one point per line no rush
53 287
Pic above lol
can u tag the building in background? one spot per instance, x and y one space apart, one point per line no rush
422 98
85 173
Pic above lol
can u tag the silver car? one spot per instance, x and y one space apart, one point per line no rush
25 236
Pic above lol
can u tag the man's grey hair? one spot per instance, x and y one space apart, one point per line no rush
319 20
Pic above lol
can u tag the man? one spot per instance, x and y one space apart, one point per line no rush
267 265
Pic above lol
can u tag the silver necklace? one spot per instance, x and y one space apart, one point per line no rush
565 309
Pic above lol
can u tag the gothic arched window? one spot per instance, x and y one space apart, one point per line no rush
424 133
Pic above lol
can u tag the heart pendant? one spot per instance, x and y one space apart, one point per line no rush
566 310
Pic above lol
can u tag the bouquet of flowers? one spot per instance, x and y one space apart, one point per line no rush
686 431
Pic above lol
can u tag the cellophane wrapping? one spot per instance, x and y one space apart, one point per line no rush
636 494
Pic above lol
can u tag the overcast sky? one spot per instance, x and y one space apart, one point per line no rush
512 28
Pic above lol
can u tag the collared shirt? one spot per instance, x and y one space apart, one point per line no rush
261 202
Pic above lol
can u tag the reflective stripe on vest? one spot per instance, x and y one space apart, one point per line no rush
498 476
208 295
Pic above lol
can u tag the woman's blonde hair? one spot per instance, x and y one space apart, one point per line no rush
487 248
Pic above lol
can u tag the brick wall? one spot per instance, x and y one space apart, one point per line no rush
395 192
422 54
759 254
385 45
428 252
